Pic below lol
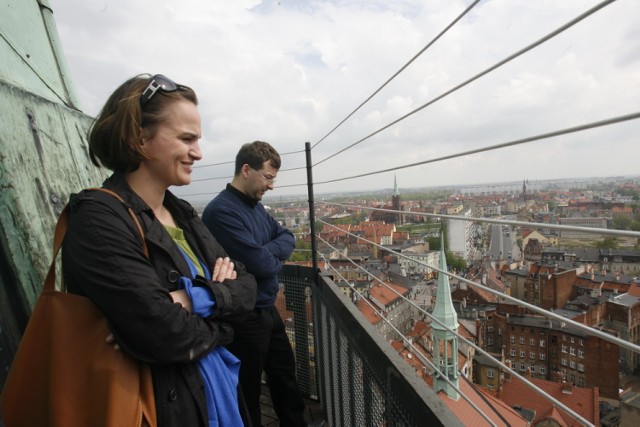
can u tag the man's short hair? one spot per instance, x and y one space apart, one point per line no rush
255 154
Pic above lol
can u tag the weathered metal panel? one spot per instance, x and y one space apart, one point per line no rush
30 51
43 158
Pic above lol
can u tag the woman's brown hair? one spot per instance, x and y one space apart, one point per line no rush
115 137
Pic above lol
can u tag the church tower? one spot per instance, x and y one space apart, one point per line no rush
445 342
395 201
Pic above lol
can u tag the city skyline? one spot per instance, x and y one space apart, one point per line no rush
387 191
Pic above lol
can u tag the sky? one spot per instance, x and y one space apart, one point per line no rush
289 72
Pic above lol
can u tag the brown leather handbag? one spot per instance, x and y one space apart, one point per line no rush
65 373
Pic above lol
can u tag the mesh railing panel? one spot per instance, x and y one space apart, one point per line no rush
361 380
295 307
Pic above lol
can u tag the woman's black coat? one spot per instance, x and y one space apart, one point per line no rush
102 258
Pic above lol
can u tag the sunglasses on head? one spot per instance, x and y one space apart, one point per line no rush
158 82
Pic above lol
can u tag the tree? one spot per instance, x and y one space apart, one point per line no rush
455 262
607 243
621 222
302 252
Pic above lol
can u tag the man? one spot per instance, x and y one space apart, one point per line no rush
249 234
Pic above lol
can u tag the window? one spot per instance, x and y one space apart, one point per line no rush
572 378
522 355
499 331
521 339
543 370
489 328
572 351
542 343
581 343
542 356
564 337
572 340
532 355
513 352
572 364
581 381
489 340
563 362
564 348
522 367
491 373
533 369
532 341
580 367
512 339
581 353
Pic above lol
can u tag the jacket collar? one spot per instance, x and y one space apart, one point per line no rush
246 199
181 210
119 184
155 232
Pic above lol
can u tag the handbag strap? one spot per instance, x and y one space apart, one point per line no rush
61 230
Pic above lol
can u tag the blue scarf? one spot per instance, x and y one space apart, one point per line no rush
220 367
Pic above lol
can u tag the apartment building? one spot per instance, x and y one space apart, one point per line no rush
545 346
591 222
461 235
548 285
417 259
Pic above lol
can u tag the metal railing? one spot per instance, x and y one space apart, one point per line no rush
345 362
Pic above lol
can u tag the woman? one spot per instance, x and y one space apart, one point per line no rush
148 134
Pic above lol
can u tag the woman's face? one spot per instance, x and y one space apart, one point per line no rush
175 146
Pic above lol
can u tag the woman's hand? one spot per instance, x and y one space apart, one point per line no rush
223 269
181 297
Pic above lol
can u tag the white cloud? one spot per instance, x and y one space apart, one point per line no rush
289 71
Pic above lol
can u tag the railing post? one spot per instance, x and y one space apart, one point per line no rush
312 214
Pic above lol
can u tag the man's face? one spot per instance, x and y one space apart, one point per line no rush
262 180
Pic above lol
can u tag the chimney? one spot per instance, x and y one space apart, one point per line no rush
507 374
557 377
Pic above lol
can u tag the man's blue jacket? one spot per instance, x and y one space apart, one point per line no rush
249 234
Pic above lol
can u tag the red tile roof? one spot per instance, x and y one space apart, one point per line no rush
369 312
386 296
583 400
634 290
493 408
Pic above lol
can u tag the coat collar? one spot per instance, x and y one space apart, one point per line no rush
155 233
239 194
182 211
